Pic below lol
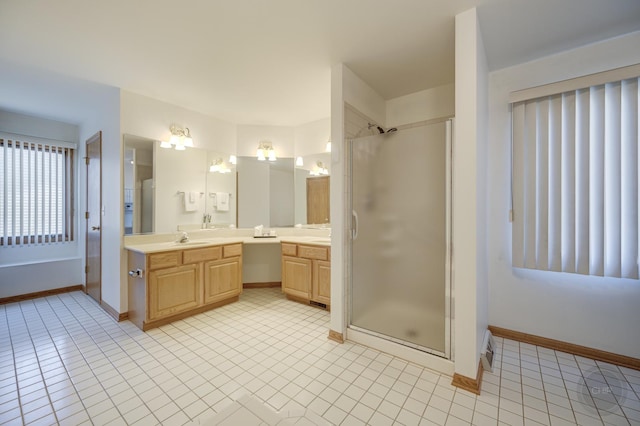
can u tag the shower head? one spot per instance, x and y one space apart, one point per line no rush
380 129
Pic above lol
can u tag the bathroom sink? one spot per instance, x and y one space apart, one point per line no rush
191 243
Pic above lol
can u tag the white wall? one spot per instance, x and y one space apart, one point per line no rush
427 104
281 137
468 273
595 312
261 263
312 138
92 107
150 118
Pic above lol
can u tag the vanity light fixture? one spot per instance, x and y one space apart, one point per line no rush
180 139
319 170
218 166
266 151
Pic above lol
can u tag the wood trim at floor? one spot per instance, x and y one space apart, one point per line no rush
44 293
336 337
114 313
262 285
467 383
558 345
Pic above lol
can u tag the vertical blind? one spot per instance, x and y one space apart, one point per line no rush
36 191
575 180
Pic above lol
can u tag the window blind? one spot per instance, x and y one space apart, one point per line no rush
36 191
575 180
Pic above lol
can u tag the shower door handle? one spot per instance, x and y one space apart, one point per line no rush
354 225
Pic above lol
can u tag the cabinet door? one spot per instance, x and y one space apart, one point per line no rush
321 290
222 279
296 277
173 290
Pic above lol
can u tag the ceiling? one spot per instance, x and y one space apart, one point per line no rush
269 61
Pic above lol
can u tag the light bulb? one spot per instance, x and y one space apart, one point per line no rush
299 162
233 159
261 154
272 155
165 144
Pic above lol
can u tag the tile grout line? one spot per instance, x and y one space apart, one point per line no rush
15 370
21 306
70 311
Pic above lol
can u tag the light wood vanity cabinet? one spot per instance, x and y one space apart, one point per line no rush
179 283
173 290
306 272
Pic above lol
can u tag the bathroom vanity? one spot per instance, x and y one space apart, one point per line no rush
306 273
168 282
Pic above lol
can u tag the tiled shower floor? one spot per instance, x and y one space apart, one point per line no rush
63 360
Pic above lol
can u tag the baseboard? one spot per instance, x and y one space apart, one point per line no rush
335 336
467 383
262 285
114 313
157 323
37 294
558 345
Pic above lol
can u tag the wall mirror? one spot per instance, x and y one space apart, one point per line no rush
164 188
246 194
138 185
265 192
312 188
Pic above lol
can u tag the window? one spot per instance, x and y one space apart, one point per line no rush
36 191
575 175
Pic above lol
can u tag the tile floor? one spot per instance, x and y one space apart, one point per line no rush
63 360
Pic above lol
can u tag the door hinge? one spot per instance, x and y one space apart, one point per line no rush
86 160
86 269
86 215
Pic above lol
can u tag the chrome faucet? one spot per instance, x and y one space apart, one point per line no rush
184 238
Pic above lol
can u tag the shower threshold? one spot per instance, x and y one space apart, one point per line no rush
399 341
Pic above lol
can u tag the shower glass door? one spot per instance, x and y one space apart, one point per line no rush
399 260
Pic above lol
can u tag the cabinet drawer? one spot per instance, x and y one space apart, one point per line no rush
201 254
289 249
313 252
232 250
164 260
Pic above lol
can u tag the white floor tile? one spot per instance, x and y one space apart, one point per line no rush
69 363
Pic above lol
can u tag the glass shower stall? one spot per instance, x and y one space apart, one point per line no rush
400 236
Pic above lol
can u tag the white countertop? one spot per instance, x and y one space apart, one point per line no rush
193 243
